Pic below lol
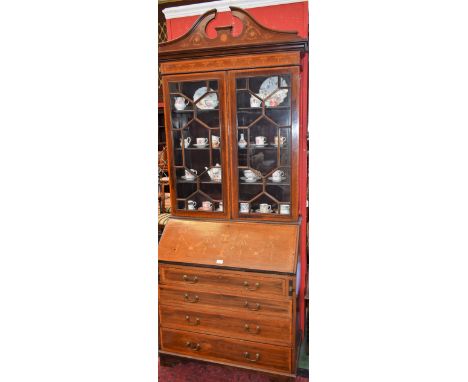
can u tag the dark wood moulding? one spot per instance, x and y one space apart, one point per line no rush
254 38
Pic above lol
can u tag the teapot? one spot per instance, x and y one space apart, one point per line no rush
215 172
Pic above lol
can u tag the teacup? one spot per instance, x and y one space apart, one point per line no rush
285 209
186 142
180 103
215 141
244 208
265 208
207 205
281 140
192 204
260 140
277 175
202 141
249 174
190 174
220 207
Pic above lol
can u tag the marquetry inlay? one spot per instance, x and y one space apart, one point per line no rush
231 62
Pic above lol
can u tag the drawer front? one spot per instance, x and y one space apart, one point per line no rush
187 298
245 283
244 353
232 324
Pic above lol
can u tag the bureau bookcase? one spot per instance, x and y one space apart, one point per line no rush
228 258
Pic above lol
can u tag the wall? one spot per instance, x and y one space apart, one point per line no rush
281 17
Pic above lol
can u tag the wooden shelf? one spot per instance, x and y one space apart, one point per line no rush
191 111
268 183
201 181
284 148
260 109
197 148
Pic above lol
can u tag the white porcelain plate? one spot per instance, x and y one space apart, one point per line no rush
270 85
210 101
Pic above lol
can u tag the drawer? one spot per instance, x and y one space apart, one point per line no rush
187 298
214 348
262 328
241 283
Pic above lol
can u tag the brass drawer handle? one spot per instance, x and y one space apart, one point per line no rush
246 286
193 346
247 357
247 305
197 321
186 298
247 329
192 281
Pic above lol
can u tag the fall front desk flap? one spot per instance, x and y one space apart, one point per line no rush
244 245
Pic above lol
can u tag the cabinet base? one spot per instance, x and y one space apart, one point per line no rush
170 359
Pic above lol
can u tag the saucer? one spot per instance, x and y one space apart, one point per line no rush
205 209
200 146
265 145
249 180
188 179
277 181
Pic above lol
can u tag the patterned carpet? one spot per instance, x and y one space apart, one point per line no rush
203 372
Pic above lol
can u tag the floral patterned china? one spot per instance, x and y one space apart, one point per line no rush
209 102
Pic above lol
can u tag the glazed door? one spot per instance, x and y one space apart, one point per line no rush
264 135
197 142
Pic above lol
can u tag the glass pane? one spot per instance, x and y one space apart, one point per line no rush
241 83
264 141
196 133
285 154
